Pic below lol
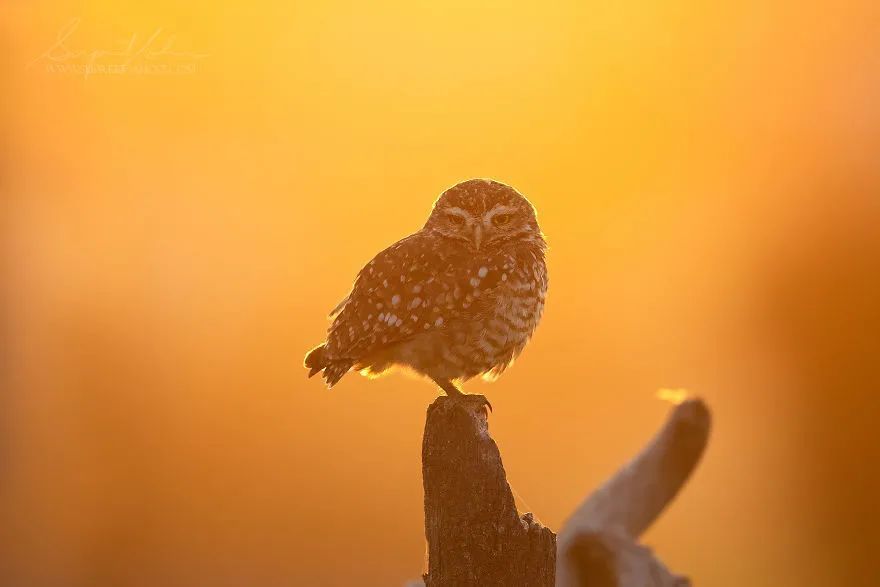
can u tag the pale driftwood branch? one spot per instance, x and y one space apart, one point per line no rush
476 537
612 518
606 559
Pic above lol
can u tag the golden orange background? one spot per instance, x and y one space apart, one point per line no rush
708 179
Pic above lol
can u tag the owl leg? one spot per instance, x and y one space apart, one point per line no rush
448 386
455 393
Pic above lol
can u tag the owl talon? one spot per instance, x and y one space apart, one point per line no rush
477 398
484 400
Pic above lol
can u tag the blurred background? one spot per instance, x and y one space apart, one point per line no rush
189 188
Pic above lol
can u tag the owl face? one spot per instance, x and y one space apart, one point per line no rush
484 214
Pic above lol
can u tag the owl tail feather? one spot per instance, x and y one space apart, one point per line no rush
316 361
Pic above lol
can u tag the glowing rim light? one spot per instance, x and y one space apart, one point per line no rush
673 396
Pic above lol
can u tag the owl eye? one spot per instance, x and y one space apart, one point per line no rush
501 219
455 219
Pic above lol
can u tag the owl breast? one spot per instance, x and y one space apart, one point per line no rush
483 318
518 306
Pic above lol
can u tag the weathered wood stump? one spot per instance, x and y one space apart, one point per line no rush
475 535
477 538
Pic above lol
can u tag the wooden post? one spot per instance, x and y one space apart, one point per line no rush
477 538
475 535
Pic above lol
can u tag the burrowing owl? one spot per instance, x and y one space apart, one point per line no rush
457 299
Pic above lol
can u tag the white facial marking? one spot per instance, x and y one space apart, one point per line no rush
497 209
438 322
482 272
458 212
395 299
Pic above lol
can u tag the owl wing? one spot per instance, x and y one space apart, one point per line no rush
335 311
415 285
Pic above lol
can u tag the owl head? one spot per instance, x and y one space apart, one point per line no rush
484 214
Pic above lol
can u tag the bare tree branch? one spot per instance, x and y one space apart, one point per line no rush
615 515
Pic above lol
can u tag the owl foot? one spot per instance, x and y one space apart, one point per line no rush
476 398
455 393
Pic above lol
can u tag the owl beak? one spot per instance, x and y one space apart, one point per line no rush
478 236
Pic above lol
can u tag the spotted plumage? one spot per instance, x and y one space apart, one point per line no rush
458 299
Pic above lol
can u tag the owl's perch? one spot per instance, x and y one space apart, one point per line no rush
476 537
